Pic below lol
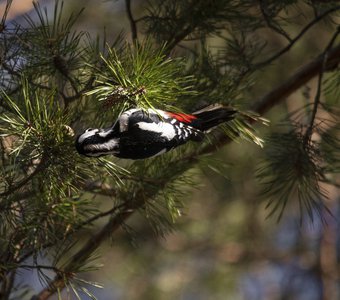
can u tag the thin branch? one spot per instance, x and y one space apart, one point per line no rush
281 92
100 215
324 56
18 74
55 269
23 182
178 36
131 20
4 16
301 77
297 38
69 99
263 105
92 244
270 24
7 285
97 187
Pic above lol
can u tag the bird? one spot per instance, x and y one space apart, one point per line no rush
142 133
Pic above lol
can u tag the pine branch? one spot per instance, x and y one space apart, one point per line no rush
263 105
91 245
281 92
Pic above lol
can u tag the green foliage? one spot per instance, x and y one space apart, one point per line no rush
56 80
329 147
292 169
42 175
170 20
301 159
140 75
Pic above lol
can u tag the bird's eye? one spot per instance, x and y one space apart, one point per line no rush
88 129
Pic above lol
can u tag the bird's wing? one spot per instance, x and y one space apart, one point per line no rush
136 115
168 125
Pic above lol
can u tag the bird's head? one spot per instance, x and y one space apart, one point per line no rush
97 142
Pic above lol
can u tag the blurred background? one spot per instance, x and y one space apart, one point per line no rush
224 246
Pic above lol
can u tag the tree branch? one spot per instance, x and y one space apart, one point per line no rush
281 92
264 104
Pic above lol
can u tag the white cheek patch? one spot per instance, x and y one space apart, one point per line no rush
109 146
167 130
86 135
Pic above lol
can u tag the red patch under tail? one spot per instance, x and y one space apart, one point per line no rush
181 117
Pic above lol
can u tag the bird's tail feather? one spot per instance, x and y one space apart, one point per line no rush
213 115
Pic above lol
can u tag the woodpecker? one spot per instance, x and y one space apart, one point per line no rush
140 134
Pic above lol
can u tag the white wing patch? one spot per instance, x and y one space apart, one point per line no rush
167 130
124 119
109 146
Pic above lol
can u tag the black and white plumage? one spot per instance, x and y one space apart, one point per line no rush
139 134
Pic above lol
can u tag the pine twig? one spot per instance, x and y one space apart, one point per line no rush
274 97
4 16
92 244
7 284
132 21
297 38
269 23
101 215
42 166
301 77
177 37
324 57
